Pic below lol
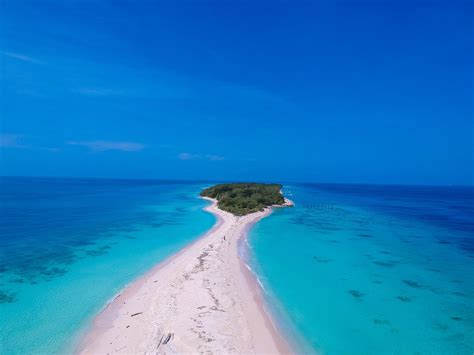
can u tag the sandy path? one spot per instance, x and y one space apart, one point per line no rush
201 300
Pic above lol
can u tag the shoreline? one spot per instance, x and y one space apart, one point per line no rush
201 299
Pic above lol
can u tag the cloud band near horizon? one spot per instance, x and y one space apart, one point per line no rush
101 145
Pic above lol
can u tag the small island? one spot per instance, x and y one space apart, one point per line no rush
244 198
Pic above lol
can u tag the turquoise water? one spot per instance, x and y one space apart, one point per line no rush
67 246
352 269
360 269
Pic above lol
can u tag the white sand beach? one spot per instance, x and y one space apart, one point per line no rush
201 300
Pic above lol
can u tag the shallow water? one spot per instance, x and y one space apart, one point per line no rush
352 269
68 245
359 269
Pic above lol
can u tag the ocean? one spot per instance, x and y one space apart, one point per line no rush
67 246
371 269
351 269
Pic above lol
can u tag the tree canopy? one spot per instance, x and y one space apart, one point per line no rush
244 198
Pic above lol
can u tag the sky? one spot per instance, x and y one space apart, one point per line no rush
288 91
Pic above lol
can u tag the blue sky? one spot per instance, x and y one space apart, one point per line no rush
333 91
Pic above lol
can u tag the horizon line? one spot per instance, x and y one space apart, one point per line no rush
181 180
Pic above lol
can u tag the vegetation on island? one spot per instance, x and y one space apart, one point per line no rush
244 198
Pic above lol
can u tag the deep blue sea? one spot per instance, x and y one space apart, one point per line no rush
368 269
351 269
67 246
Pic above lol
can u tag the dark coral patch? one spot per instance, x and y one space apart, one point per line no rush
53 272
388 264
17 281
158 224
404 298
356 294
98 252
7 297
381 321
325 228
128 229
413 284
80 243
321 260
441 326
435 291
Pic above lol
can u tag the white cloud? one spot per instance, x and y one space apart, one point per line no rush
109 145
11 141
191 156
99 92
8 140
213 157
53 150
187 156
21 57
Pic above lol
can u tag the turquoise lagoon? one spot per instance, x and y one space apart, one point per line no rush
352 269
360 269
67 246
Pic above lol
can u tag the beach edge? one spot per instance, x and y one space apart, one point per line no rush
265 334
